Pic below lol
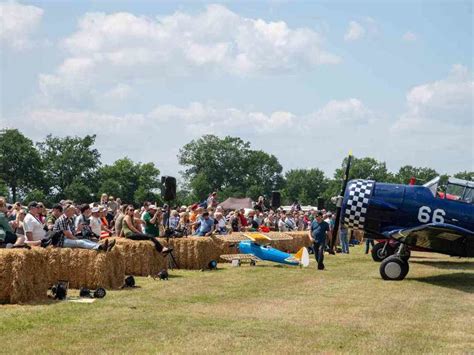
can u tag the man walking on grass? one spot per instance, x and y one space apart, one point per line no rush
318 233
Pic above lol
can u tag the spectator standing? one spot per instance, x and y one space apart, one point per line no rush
343 239
212 200
318 233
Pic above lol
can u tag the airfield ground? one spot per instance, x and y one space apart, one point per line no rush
268 308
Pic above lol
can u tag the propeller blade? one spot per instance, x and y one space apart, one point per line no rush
339 203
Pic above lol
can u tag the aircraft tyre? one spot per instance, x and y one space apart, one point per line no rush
394 268
378 252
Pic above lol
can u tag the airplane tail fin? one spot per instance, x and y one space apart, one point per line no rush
303 256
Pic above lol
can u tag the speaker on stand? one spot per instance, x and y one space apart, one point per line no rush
321 203
276 199
168 193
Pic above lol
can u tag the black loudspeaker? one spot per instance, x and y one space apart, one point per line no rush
320 203
276 199
169 189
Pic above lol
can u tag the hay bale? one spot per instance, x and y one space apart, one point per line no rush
140 257
195 253
299 240
23 276
85 268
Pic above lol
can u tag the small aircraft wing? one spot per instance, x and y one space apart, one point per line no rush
240 257
438 237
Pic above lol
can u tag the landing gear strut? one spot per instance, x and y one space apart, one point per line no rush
396 267
382 251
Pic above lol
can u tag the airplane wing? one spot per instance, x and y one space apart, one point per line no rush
438 237
241 257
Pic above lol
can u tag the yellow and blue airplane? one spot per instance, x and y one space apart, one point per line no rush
254 247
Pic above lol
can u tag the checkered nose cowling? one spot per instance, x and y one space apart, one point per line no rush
356 206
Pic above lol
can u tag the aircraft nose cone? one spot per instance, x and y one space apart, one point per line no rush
358 193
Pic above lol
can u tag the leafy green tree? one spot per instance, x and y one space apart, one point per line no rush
304 185
219 161
263 174
69 159
35 195
79 192
230 166
422 175
20 163
131 182
3 189
364 168
465 175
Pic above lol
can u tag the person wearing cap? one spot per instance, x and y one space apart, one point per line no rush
152 219
65 225
318 234
95 222
34 229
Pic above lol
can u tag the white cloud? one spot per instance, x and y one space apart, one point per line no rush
158 134
354 32
343 112
444 102
17 23
409 37
110 48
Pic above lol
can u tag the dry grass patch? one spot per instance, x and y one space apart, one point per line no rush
267 308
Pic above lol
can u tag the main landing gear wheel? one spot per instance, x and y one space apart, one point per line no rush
394 268
381 251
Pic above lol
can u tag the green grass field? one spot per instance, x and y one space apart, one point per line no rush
268 308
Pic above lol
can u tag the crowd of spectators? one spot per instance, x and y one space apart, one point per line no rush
88 226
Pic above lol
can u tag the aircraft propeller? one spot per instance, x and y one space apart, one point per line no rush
339 200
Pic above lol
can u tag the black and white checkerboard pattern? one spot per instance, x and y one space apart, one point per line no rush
356 208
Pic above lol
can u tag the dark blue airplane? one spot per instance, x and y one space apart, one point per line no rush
415 216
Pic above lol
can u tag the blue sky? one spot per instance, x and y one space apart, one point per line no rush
306 81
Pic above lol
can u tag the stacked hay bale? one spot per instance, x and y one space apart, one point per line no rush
193 253
140 258
23 276
85 268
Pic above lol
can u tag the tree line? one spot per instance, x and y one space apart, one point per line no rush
60 168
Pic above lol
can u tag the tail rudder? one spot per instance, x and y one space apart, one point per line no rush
303 256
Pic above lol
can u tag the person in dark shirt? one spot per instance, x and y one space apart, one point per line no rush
318 232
